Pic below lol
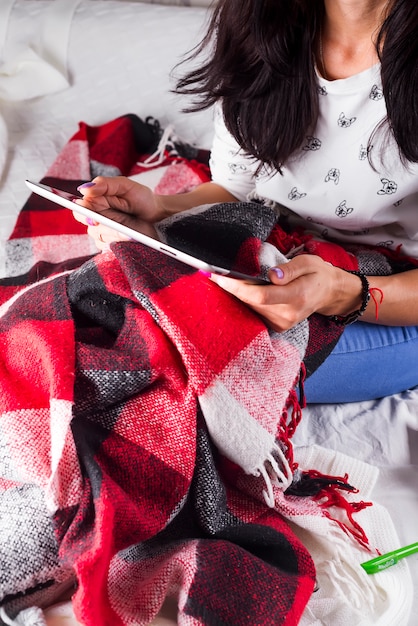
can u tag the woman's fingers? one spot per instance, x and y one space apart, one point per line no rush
298 288
87 221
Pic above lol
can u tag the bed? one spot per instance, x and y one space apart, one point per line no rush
85 71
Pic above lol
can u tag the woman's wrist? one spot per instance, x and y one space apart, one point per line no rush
345 319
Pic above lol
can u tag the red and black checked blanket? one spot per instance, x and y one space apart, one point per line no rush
146 415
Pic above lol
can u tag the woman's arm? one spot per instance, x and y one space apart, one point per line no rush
206 193
399 305
136 206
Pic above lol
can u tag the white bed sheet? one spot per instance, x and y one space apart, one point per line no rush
109 77
383 433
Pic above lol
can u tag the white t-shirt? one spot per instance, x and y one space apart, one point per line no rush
330 186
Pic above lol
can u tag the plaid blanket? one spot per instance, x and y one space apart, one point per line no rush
147 416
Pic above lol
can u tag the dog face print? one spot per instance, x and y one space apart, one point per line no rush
312 144
343 210
236 168
386 244
345 122
333 175
294 194
376 93
363 152
388 187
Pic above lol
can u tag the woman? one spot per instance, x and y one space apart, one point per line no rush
317 111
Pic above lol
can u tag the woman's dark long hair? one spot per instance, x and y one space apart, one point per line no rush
262 66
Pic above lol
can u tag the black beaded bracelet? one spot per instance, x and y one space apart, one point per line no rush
345 320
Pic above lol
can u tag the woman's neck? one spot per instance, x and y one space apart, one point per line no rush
347 40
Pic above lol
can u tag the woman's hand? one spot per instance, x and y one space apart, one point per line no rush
138 207
303 286
122 200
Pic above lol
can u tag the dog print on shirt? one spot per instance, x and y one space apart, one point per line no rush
388 187
376 93
343 210
313 144
294 194
345 122
333 175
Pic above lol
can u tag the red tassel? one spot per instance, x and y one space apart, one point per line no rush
326 490
291 416
323 488
329 496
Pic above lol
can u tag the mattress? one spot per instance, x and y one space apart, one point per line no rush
98 59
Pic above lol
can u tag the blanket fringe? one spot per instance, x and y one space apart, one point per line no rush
166 147
291 417
340 576
326 490
276 472
281 460
344 577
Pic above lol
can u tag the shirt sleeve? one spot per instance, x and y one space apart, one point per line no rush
230 167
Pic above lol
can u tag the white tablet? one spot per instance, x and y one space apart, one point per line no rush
66 200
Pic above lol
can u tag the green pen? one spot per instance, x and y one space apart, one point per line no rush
384 561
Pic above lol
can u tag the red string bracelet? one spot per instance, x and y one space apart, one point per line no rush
376 303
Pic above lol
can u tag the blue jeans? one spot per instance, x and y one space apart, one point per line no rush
369 361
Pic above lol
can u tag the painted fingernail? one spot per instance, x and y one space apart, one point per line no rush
86 185
90 221
205 273
279 272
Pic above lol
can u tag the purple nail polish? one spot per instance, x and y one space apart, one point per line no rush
90 221
86 185
279 272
